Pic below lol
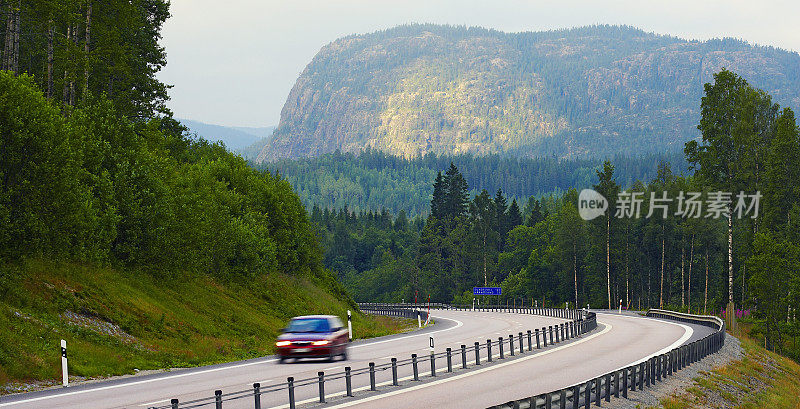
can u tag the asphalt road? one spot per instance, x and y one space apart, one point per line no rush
619 341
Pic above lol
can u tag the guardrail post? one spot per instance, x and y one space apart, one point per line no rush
500 343
372 376
562 399
530 338
433 364
449 360
174 403
657 363
321 382
257 395
414 366
521 347
348 381
548 400
608 387
576 397
597 392
489 350
218 399
587 395
625 383
290 386
538 344
616 384
463 356
641 371
477 353
511 344
550 328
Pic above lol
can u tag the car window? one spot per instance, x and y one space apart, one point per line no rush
336 323
308 325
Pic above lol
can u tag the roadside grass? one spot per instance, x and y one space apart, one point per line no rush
116 322
761 379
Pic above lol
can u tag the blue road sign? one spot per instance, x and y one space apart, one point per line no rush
487 291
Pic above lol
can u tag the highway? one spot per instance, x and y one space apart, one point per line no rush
617 342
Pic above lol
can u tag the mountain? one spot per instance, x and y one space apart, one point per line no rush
235 138
584 92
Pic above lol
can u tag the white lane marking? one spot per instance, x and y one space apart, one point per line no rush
156 402
687 333
122 385
464 375
331 368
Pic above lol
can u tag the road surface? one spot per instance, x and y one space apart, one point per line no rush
618 342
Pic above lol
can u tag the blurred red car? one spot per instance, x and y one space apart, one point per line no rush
313 336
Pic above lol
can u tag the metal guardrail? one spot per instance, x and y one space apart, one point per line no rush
633 377
466 357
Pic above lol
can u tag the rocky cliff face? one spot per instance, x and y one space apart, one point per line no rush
582 92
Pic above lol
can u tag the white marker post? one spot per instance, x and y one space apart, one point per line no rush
431 343
64 374
349 326
620 306
473 303
419 320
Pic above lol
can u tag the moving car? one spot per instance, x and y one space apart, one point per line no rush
313 336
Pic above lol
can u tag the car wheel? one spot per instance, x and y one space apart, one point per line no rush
344 354
281 360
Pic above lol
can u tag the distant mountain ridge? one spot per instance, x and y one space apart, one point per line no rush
235 138
585 92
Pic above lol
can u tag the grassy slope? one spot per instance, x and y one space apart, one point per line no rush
116 321
761 379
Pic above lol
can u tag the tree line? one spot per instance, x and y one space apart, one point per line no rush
372 180
546 253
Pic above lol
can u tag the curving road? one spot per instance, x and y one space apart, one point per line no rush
619 341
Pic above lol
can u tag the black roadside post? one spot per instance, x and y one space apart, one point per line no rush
608 387
394 371
538 344
500 342
257 395
477 353
616 384
321 381
449 360
348 381
174 403
511 344
290 386
433 364
489 350
521 347
530 338
544 336
414 366
550 329
218 399
372 376
463 356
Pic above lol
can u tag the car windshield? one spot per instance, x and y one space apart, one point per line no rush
308 325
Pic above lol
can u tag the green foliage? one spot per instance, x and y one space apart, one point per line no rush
374 180
96 186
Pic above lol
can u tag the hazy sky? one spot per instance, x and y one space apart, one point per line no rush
233 62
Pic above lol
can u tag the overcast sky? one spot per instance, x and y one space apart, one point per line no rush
233 62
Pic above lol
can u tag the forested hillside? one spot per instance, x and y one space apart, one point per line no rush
584 92
373 180
140 245
545 252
